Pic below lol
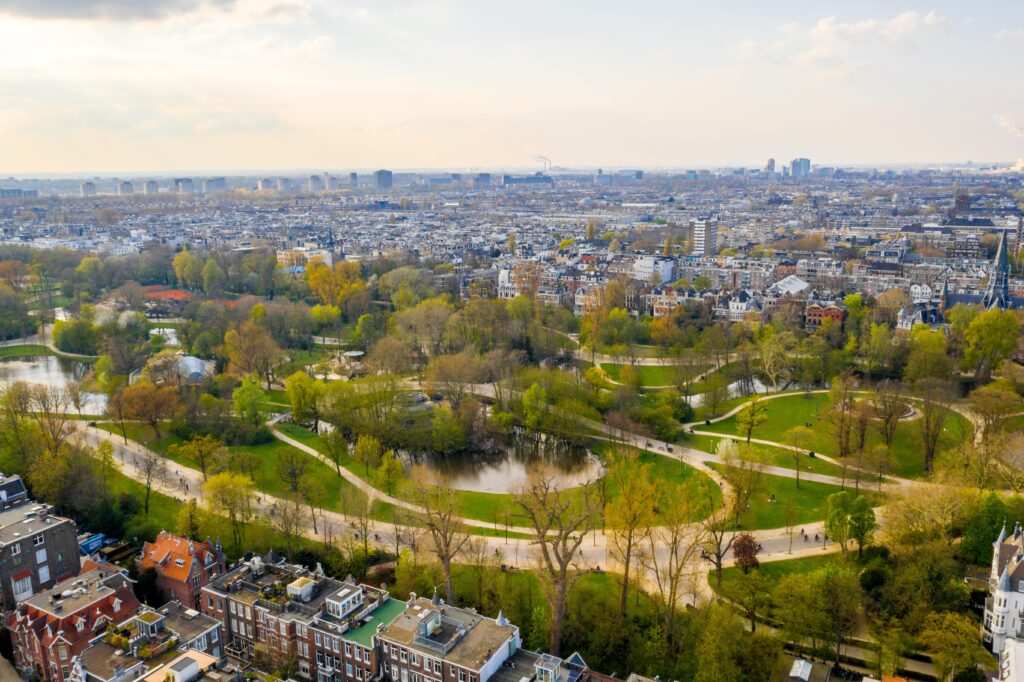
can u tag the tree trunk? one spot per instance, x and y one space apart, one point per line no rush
557 616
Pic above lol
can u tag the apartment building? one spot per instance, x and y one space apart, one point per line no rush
431 641
37 547
53 627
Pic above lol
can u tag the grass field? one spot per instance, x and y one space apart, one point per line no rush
793 505
266 478
775 571
800 409
650 375
24 351
779 457
497 508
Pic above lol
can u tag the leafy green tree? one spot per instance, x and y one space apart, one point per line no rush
248 399
952 641
390 472
200 449
990 338
367 452
719 647
304 394
214 279
535 407
753 414
446 432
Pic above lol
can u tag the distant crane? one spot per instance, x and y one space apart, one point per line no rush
545 160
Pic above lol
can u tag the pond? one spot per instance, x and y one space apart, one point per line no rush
508 469
50 370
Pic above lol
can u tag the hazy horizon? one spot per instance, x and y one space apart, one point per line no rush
136 87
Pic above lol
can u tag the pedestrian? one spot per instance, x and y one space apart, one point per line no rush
815 537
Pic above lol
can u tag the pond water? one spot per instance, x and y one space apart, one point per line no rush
51 370
170 334
507 470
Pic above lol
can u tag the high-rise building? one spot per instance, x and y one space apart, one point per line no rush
705 237
214 185
88 188
150 187
353 180
316 183
383 179
482 181
284 185
125 187
800 168
770 166
266 184
330 182
183 185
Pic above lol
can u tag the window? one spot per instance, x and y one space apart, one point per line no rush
319 658
16 549
316 638
337 645
38 540
209 602
63 652
248 613
437 667
366 655
462 675
405 656
213 635
348 669
348 649
284 628
23 588
44 574
41 555
415 659
249 629
359 673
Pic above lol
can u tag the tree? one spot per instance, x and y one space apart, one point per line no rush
743 472
147 403
744 552
231 495
797 606
719 647
153 467
368 452
291 520
889 405
952 641
753 414
800 437
439 514
200 449
390 472
990 338
118 411
560 521
751 592
333 285
214 278
535 407
291 467
188 268
993 404
842 398
252 350
672 548
717 393
631 513
248 400
841 597
304 396
936 395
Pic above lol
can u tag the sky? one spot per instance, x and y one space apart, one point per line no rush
137 86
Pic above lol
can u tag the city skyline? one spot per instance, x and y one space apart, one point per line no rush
207 86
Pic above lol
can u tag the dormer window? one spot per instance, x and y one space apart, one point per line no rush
80 624
180 563
117 605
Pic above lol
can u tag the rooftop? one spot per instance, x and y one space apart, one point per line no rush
382 615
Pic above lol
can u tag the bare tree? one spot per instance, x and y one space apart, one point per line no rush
672 548
153 467
440 516
291 520
560 520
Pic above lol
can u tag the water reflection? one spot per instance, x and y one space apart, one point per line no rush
507 469
50 370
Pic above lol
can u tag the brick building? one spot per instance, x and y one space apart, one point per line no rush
182 566
53 627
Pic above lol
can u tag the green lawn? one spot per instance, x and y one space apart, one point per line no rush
775 571
24 351
496 508
650 375
779 457
805 504
267 479
800 409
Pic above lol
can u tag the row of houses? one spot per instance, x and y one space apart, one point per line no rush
263 614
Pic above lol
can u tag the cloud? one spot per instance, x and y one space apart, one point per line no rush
832 48
1009 34
307 50
108 10
1011 125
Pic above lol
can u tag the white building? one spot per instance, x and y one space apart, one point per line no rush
1004 608
1011 662
705 238
88 188
644 267
125 187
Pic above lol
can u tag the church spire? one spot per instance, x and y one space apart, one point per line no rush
998 294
